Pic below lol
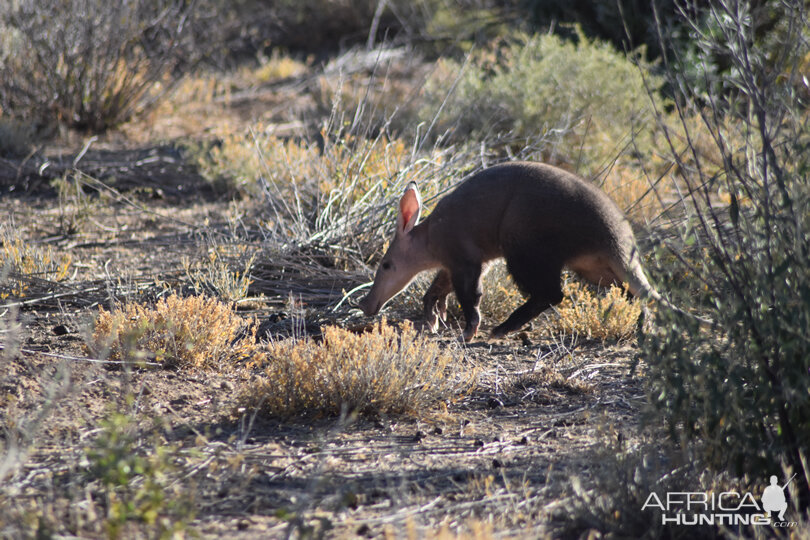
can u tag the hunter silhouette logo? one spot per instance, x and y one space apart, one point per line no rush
773 498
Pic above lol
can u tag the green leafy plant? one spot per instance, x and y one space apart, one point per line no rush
740 391
135 482
581 102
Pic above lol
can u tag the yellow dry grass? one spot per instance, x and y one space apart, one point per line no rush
274 67
20 260
348 167
185 332
387 370
608 316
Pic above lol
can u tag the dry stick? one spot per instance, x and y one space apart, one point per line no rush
75 292
48 297
91 360
99 185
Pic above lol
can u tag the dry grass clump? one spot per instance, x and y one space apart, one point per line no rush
607 316
21 263
185 332
543 384
335 195
224 273
276 66
247 161
384 371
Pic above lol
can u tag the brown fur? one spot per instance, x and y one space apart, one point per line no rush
538 217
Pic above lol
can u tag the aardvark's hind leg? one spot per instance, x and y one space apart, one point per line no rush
539 277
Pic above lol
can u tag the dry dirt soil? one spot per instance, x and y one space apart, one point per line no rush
544 414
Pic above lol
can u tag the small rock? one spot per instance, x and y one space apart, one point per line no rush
180 401
277 317
60 330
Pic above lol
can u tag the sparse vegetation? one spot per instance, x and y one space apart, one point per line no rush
214 276
333 196
226 214
101 63
134 483
24 264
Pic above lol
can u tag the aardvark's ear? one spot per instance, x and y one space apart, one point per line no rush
410 205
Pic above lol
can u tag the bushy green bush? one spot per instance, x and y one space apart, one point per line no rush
134 484
741 391
582 102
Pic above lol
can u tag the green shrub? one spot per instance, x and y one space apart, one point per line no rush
583 102
135 483
740 392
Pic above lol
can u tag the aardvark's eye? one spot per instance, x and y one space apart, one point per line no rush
386 265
